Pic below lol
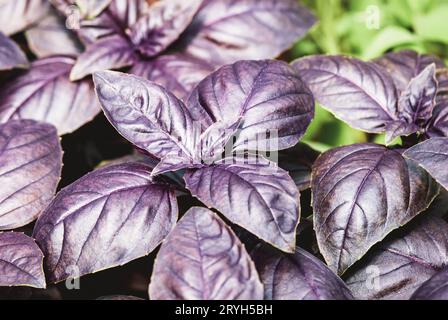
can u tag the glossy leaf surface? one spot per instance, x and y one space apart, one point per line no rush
105 219
20 261
202 259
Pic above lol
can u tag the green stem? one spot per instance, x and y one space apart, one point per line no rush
326 37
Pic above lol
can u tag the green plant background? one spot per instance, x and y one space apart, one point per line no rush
348 27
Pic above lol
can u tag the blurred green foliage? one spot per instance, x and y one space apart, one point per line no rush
367 29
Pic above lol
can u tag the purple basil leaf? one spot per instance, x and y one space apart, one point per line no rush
125 13
403 66
438 125
162 25
17 15
146 114
114 20
298 161
435 288
20 261
442 78
417 102
105 219
439 207
178 73
202 259
119 297
45 93
360 194
253 193
112 52
228 31
30 168
402 264
399 128
268 95
50 36
432 155
357 92
424 189
298 276
91 8
11 56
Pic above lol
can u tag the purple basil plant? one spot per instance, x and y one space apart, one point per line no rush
176 43
173 43
363 192
124 211
214 120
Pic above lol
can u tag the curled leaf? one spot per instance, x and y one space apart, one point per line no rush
202 259
105 219
252 193
30 168
20 261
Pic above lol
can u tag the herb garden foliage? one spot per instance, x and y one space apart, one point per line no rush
194 92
